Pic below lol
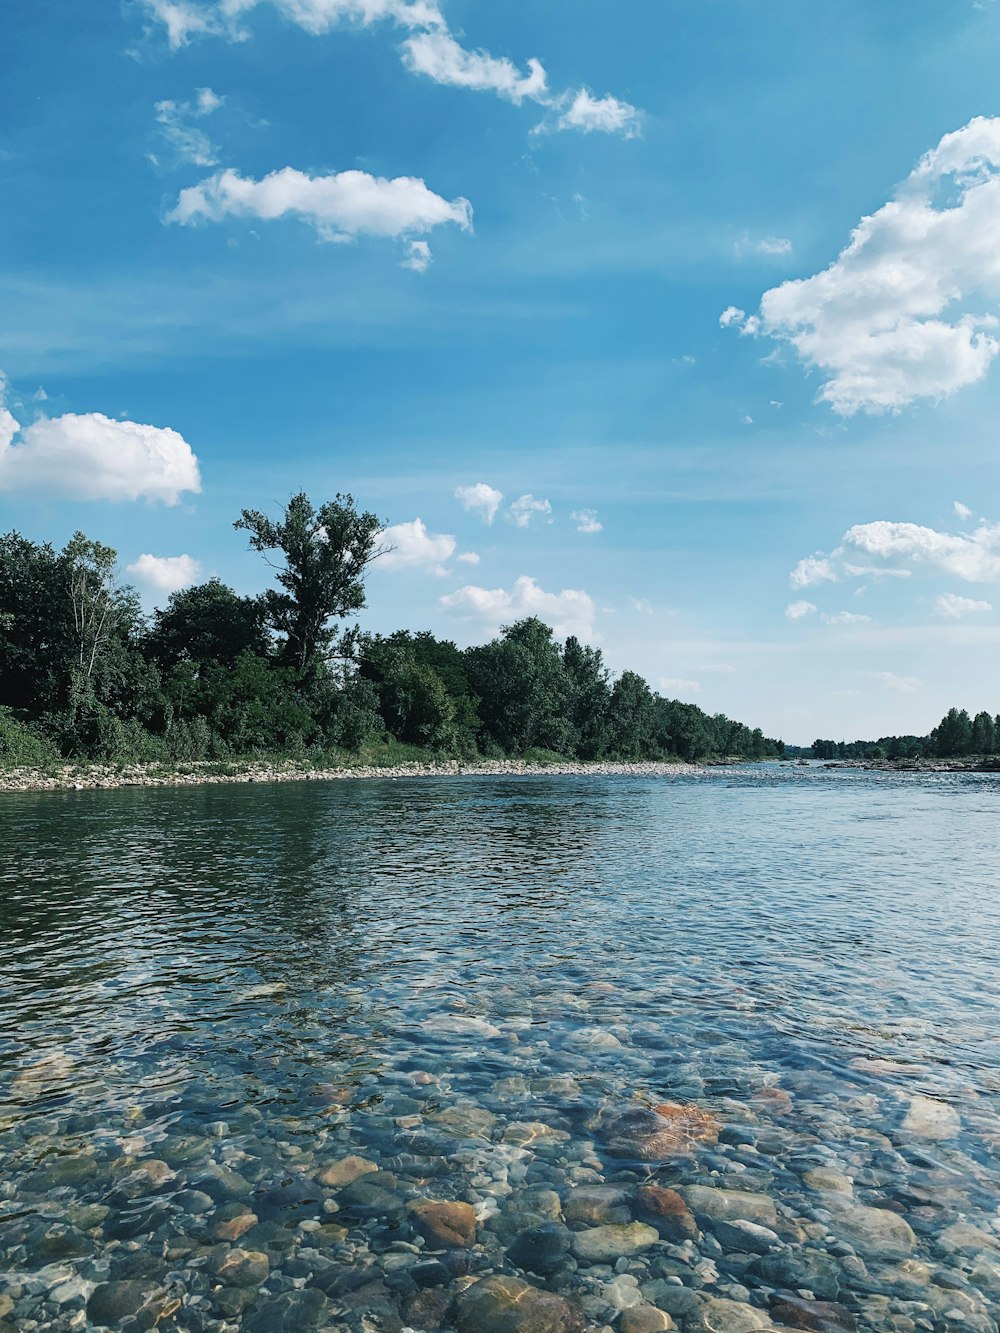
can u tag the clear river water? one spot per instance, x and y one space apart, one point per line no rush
387 1055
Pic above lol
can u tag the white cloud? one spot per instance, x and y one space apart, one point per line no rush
469 558
764 245
418 257
92 457
874 572
798 610
675 686
165 573
813 569
901 684
732 315
586 520
641 605
526 508
568 612
441 58
413 547
845 618
340 207
590 114
480 499
189 143
719 669
185 19
898 315
430 50
963 511
974 557
954 607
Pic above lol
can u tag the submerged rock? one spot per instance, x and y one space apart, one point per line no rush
667 1211
818 1316
543 1250
730 1205
345 1172
668 1130
875 1233
606 1244
444 1223
508 1305
929 1118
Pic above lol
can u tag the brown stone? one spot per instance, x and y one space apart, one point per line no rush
644 1319
428 1309
668 1130
444 1223
232 1228
818 1316
668 1212
346 1172
508 1305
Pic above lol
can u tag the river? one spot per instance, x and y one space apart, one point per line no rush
364 1056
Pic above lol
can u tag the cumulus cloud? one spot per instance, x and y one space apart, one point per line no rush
899 315
480 499
954 607
586 520
589 114
188 142
962 511
974 557
676 686
92 457
438 56
165 573
798 610
469 558
340 207
568 612
813 569
412 546
526 508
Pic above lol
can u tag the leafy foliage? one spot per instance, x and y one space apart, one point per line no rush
214 675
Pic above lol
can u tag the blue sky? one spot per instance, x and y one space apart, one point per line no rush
252 246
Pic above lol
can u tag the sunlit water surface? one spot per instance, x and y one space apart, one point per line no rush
209 995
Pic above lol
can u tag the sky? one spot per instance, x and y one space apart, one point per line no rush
671 323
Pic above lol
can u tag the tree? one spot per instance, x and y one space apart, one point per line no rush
631 719
207 625
36 628
94 597
953 734
324 554
588 697
983 734
522 688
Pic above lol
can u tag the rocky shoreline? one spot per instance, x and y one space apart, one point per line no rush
81 777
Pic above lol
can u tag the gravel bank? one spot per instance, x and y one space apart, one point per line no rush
73 777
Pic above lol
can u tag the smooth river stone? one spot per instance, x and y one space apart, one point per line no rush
964 1238
826 1181
928 1118
597 1205
817 1316
667 1211
875 1233
345 1172
645 1319
722 1316
730 1205
606 1244
112 1302
668 1130
508 1305
445 1224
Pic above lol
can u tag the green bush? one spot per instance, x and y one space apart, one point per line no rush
20 746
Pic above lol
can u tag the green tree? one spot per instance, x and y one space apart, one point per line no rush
322 555
36 627
588 697
207 625
522 688
953 734
983 734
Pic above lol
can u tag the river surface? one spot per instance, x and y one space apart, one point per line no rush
330 1055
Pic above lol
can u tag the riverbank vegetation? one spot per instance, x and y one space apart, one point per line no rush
957 736
214 675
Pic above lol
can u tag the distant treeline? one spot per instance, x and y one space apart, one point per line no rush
83 673
957 736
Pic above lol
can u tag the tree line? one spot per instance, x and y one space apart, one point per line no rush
957 736
213 674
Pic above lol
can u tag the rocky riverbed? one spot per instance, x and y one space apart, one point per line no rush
557 1200
81 777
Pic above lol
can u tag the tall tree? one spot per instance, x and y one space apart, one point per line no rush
207 625
323 554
